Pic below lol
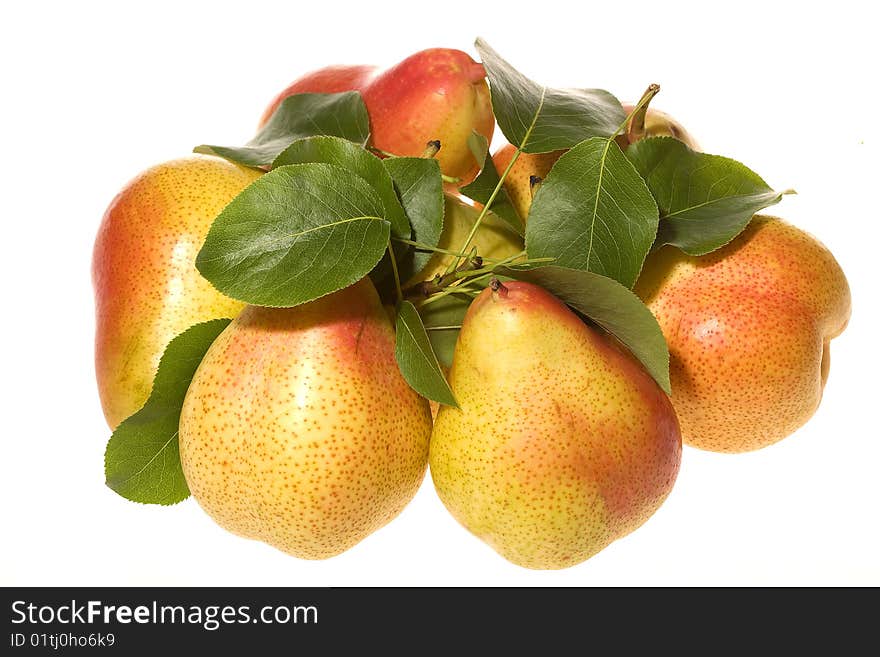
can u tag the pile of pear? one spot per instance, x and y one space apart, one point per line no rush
748 326
299 430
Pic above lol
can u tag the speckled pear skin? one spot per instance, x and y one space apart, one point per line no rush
147 289
748 328
298 429
562 444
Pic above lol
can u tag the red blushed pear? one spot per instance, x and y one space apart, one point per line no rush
327 80
562 442
435 94
298 428
147 289
749 328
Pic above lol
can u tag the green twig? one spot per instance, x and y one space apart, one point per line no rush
425 247
500 185
396 273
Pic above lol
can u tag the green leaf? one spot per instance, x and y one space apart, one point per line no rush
705 200
540 119
420 186
442 319
484 184
610 305
297 233
142 461
593 212
416 358
354 158
298 116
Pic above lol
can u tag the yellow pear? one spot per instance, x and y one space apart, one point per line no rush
299 430
562 443
748 328
147 288
493 239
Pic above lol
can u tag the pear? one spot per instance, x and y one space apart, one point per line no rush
435 94
494 240
562 442
147 289
748 328
299 430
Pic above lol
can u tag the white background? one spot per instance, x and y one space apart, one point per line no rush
94 93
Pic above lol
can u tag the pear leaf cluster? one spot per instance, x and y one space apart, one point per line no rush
142 461
301 115
322 219
606 203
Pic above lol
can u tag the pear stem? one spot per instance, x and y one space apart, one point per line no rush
396 273
635 120
427 154
499 186
534 184
495 192
491 269
498 286
438 283
425 247
461 279
447 292
431 149
379 151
